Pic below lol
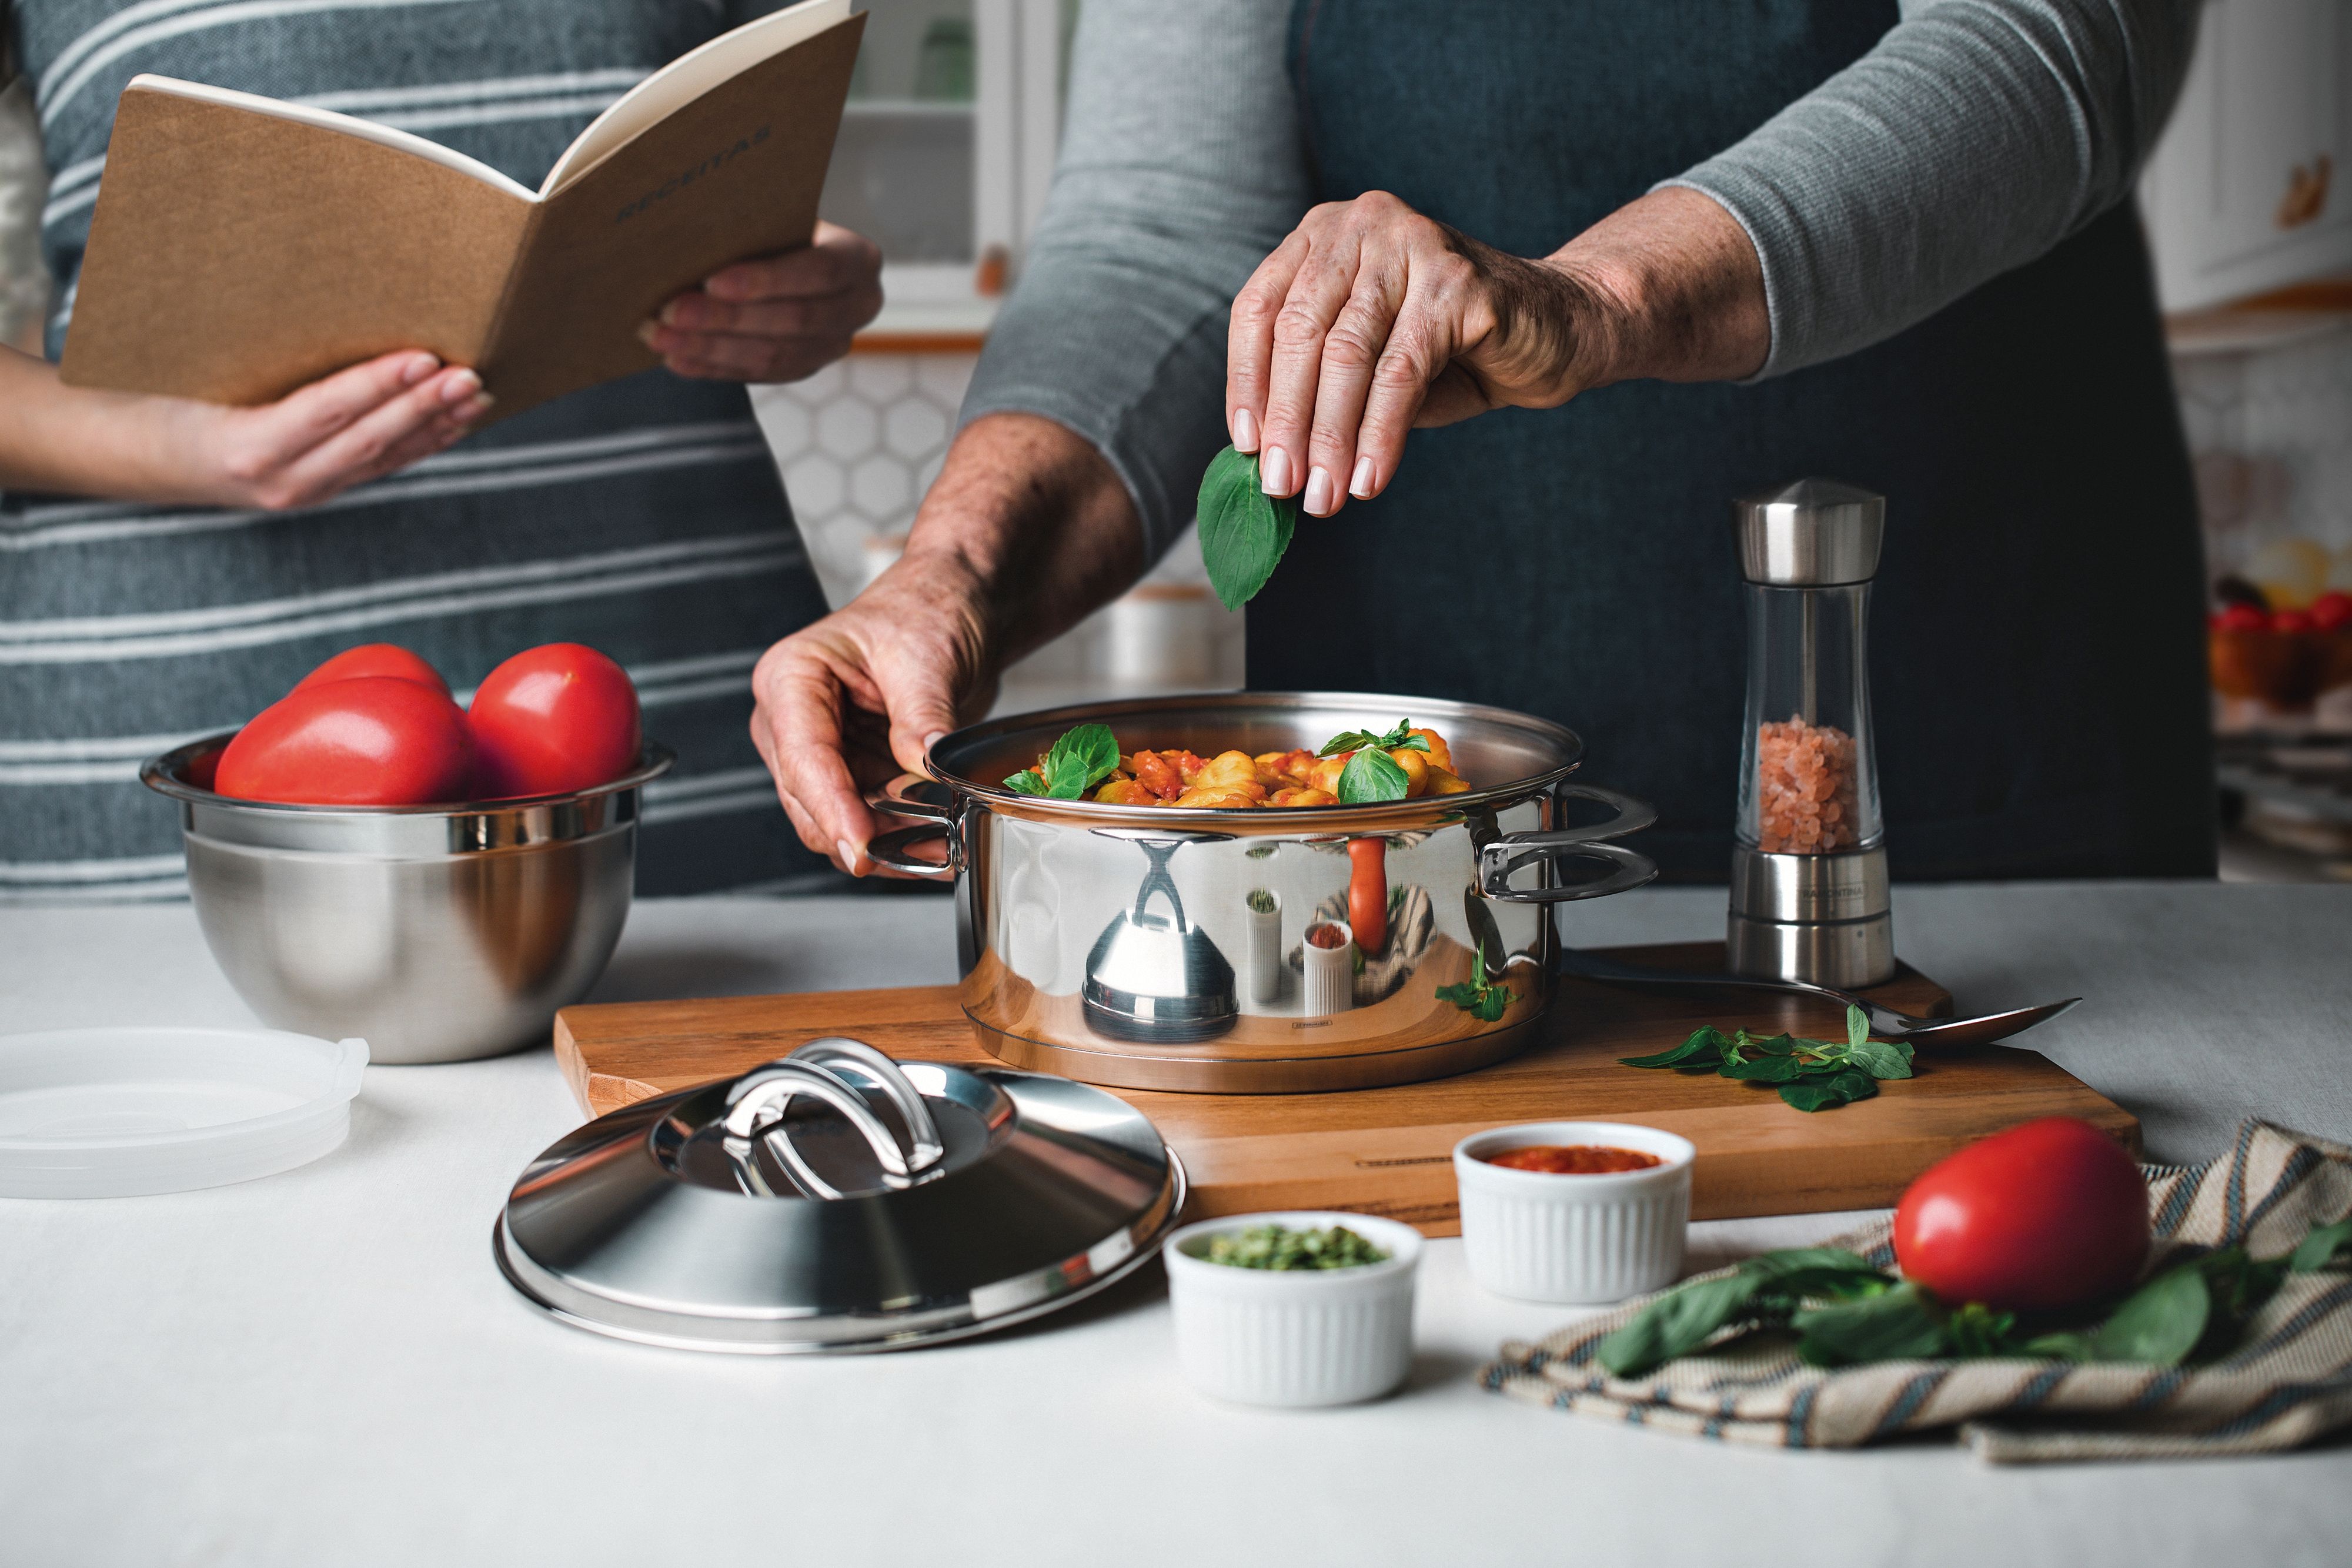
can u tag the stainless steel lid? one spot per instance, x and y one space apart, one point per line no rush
1815 533
833 1200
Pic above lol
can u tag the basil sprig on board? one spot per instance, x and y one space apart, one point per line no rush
1081 760
1812 1074
1372 775
1243 530
1846 1313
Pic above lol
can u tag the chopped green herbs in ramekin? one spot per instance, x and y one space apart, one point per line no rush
1279 1246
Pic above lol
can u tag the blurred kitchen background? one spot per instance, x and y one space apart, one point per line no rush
948 148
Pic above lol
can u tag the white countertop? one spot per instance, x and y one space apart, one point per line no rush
326 1368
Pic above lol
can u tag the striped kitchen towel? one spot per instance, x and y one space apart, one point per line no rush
2289 1380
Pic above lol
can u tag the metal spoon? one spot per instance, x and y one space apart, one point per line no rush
1886 1024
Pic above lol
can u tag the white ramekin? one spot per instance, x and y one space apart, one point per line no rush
1294 1337
1574 1238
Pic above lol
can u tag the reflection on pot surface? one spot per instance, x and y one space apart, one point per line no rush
1157 976
1072 913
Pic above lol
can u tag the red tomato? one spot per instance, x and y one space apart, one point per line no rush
2332 610
551 720
2290 622
376 659
2242 618
372 740
2049 1215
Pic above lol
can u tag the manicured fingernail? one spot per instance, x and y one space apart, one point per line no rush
1274 472
475 407
418 366
720 286
1322 493
934 739
1361 487
848 853
461 385
1245 431
650 336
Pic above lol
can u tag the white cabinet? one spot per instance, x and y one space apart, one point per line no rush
946 150
2247 191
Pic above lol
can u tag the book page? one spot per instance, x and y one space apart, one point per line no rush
236 255
733 174
690 76
328 120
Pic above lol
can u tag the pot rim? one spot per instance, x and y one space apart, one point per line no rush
1389 815
164 775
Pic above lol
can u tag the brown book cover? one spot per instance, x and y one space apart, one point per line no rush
242 247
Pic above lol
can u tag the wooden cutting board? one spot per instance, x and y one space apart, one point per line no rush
1387 1151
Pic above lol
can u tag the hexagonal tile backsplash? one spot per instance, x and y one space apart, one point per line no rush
858 443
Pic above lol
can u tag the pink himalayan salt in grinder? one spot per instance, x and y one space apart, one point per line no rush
1808 894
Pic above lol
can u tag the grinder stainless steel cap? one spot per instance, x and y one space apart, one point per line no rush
1809 886
836 1200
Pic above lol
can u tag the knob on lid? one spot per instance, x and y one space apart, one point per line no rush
1815 533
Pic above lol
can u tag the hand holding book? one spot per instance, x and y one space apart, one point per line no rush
775 317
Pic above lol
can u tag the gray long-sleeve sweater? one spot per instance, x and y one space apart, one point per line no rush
1976 135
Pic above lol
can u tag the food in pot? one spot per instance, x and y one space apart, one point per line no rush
1804 788
1279 1246
1352 768
1572 1159
375 725
2044 1217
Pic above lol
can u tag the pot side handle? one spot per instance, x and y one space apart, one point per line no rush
889 851
1498 858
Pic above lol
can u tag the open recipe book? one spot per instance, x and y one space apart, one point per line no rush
242 247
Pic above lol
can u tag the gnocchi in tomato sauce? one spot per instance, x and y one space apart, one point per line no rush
1237 781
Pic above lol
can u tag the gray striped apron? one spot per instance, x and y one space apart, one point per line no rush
643 518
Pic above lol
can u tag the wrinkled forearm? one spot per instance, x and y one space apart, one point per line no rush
1977 135
1030 527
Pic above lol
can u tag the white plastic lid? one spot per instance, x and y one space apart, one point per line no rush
112 1112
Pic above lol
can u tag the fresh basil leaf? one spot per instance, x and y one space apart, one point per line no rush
1370 777
1400 738
1900 1325
1880 1057
1857 1027
1705 1045
1812 1096
1463 996
1083 758
1243 531
1765 1070
1493 1001
1976 1330
1024 783
2321 1248
1676 1324
2160 1323
1776 1045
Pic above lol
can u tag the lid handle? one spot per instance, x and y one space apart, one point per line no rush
757 1103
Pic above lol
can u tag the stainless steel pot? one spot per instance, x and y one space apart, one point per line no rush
1149 947
433 933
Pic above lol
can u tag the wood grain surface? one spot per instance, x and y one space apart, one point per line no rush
1389 1151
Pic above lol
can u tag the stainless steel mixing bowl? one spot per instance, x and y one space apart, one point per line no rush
435 933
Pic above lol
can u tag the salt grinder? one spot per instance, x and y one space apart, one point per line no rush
1808 894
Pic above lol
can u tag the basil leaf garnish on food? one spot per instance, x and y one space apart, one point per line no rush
1370 777
1400 738
1243 530
1081 760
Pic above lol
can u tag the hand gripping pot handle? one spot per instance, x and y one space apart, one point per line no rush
1499 858
756 1104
